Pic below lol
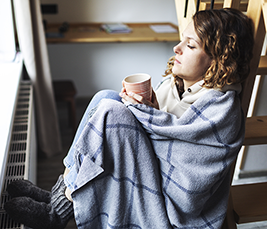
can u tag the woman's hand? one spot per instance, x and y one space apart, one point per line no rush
138 99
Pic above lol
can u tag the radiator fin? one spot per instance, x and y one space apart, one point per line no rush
18 155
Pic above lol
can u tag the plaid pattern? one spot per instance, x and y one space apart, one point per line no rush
144 168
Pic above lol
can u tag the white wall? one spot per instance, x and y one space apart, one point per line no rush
103 66
113 11
98 66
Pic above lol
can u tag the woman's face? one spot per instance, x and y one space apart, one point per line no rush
191 61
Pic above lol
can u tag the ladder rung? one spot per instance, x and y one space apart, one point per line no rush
249 202
262 68
256 130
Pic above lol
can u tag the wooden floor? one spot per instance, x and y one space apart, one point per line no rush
48 169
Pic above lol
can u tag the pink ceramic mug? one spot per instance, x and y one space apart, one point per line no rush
139 83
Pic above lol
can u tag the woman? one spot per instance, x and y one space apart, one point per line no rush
138 166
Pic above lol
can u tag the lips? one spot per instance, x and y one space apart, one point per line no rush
177 61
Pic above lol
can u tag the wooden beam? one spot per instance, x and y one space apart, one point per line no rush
180 9
231 4
205 4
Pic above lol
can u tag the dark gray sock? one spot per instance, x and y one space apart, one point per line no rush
39 215
18 188
59 201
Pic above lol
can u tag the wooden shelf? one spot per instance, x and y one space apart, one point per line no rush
91 32
256 130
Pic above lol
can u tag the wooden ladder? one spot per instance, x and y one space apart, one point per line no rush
247 203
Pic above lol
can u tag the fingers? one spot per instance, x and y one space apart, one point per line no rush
138 99
128 98
123 90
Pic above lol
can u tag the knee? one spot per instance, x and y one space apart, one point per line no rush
107 94
104 94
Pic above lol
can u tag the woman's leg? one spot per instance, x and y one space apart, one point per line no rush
104 94
69 159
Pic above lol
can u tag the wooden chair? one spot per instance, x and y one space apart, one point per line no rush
247 203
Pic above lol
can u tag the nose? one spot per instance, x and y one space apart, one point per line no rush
177 49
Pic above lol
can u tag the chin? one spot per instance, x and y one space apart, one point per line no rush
175 71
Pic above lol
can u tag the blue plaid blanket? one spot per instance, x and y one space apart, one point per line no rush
139 167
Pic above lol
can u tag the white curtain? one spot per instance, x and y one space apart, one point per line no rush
34 50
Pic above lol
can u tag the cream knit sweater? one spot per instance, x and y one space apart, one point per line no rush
169 100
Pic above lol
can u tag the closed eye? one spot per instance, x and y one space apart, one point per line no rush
191 47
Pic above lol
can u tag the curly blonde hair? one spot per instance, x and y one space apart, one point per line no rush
227 37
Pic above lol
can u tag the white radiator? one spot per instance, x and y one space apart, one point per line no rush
21 161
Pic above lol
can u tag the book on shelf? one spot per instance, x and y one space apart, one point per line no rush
163 29
116 28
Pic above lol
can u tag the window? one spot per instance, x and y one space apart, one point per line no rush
10 75
7 38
